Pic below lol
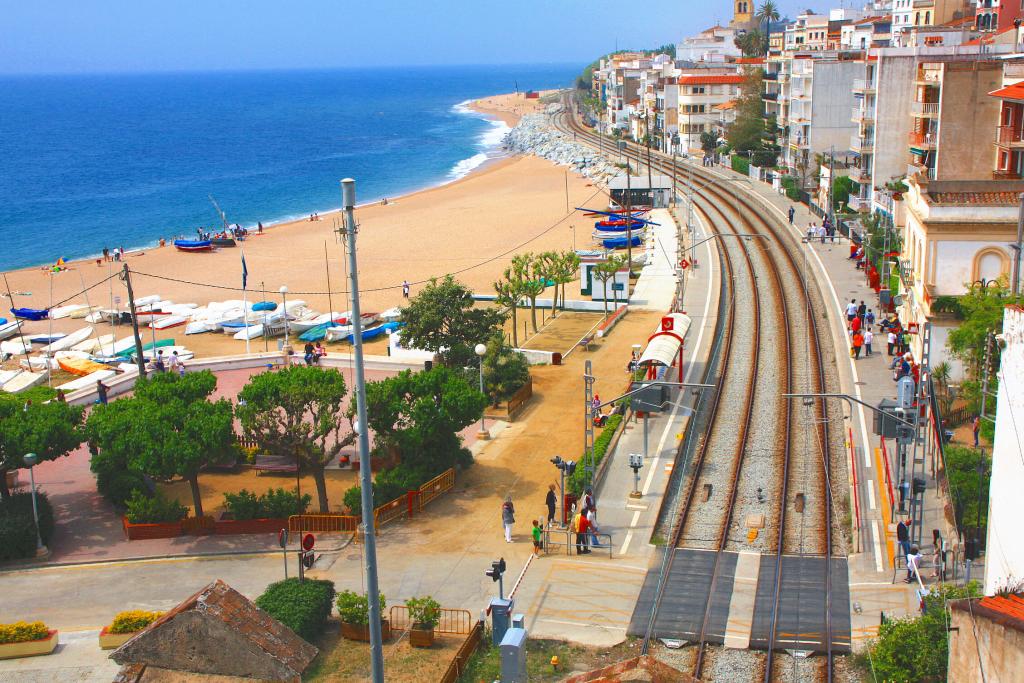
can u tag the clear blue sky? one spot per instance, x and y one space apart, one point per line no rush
62 36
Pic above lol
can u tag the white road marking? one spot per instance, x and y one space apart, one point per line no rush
877 545
580 623
625 543
636 518
636 507
871 493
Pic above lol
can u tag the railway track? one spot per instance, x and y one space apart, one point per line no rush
761 354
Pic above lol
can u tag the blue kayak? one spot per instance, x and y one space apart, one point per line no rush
30 313
620 242
193 245
264 306
375 332
603 226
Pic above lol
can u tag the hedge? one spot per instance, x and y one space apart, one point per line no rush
578 480
740 164
17 525
23 632
142 509
303 607
274 504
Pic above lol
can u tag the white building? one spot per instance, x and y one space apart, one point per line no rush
711 45
701 98
1004 558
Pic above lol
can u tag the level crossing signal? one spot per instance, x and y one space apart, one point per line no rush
308 556
496 570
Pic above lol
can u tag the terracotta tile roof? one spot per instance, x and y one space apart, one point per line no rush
1010 92
1007 610
750 60
731 104
960 22
979 198
711 80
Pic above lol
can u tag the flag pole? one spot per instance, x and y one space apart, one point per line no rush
245 303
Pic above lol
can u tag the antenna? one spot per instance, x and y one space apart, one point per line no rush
223 218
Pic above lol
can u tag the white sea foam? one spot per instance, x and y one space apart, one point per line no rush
488 142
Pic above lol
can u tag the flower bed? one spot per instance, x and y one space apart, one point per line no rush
125 627
143 532
26 640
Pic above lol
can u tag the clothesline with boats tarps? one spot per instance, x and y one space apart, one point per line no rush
665 346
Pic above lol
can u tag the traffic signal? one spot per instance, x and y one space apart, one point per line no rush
496 570
557 461
570 467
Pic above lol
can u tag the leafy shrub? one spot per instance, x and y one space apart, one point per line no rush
142 509
23 632
303 607
425 611
740 164
118 486
274 504
962 473
18 528
388 485
578 480
132 621
354 608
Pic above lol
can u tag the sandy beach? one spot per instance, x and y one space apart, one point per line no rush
471 227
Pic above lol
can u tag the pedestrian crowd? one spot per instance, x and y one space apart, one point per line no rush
582 521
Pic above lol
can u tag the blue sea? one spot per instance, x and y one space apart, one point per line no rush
88 162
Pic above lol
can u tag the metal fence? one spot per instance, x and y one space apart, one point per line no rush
320 524
436 486
458 665
458 621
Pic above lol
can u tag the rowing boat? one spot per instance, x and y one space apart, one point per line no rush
67 341
193 245
168 321
30 313
78 366
87 381
9 329
621 242
222 242
16 347
23 381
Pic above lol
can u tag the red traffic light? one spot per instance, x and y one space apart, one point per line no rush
308 541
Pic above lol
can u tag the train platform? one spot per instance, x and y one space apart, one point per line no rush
593 597
876 571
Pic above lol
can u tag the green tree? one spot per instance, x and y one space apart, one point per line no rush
708 142
916 648
442 319
751 43
50 430
529 270
169 428
505 370
746 133
510 290
766 14
605 272
842 186
566 270
968 489
982 311
298 410
418 416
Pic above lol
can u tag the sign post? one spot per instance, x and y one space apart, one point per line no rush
306 555
282 540
636 461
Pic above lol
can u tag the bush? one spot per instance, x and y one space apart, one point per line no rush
132 621
740 164
23 632
118 487
578 480
142 509
18 528
303 607
354 608
425 611
274 504
243 505
962 473
388 485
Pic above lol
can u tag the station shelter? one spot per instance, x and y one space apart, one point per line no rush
665 348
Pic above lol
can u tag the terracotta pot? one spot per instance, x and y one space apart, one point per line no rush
421 636
31 648
112 641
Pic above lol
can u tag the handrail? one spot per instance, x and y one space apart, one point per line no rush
853 471
888 476
449 620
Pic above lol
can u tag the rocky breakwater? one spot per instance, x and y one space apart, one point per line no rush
535 135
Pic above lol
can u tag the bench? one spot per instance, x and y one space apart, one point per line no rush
585 343
281 464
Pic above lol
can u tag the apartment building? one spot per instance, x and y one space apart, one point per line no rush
716 44
907 14
700 106
808 33
866 33
620 86
1009 132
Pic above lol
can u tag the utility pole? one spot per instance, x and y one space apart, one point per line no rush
1015 287
348 201
629 230
831 184
139 360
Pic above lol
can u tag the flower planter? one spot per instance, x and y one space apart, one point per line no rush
421 637
361 632
30 648
249 526
140 532
112 641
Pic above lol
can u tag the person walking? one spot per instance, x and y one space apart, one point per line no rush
862 310
913 562
869 318
591 517
536 533
101 393
792 212
892 342
405 289
869 337
858 342
903 536
851 311
173 363
158 361
855 324
508 517
551 500
976 429
580 525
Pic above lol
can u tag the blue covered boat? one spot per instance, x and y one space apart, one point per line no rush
193 245
317 333
620 242
264 306
30 313
617 227
375 332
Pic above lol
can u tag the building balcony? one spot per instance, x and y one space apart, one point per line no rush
799 143
858 203
770 96
921 140
862 144
861 176
863 85
885 201
863 114
1005 174
1009 136
924 109
921 171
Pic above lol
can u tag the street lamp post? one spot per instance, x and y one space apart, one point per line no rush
31 459
481 351
284 311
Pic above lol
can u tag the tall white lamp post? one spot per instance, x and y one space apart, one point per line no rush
31 459
481 351
284 311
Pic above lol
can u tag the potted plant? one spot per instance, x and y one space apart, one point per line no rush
125 626
26 639
354 610
424 613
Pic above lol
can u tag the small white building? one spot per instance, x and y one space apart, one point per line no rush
1004 558
656 194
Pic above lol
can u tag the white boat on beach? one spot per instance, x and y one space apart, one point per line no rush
146 300
68 341
168 321
94 343
167 351
10 329
24 380
39 363
87 381
67 311
250 332
16 347
391 315
337 333
82 312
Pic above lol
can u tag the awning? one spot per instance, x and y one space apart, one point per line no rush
663 348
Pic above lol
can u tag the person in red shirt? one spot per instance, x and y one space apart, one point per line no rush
855 324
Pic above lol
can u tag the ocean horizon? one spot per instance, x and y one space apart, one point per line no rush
105 161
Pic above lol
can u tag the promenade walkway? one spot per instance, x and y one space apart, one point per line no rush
869 379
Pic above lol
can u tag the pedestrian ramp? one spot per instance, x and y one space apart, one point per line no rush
741 605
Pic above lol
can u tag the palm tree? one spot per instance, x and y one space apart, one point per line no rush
766 14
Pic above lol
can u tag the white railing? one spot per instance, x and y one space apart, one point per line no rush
924 108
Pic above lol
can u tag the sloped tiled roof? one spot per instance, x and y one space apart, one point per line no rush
1010 92
1007 610
977 198
711 80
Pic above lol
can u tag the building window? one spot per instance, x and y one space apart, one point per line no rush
927 18
990 263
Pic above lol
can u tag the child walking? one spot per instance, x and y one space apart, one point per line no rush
537 544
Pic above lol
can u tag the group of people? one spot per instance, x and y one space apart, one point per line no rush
826 230
859 321
171 363
583 522
313 353
113 255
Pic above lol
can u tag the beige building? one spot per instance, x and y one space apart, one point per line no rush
986 639
906 14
